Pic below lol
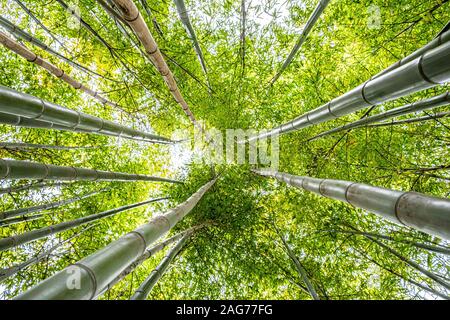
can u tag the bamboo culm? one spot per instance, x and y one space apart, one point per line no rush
57 72
14 241
134 19
419 211
96 271
144 289
20 33
16 169
24 146
412 120
150 253
309 25
11 221
430 103
428 70
20 105
32 186
6 273
46 206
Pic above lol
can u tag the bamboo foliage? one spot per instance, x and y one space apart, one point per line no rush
20 105
99 269
427 70
14 241
134 19
144 289
426 104
150 253
184 17
419 211
46 206
309 25
16 169
57 72
31 186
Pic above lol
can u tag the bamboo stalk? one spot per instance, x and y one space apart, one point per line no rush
184 17
412 120
16 169
19 105
150 253
99 269
24 146
132 15
20 33
144 289
31 186
9 222
17 240
426 71
46 206
419 211
309 25
426 104
57 72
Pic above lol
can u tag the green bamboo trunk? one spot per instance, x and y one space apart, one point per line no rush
426 71
15 169
419 211
11 221
25 146
96 271
14 241
23 105
426 104
309 25
148 284
47 206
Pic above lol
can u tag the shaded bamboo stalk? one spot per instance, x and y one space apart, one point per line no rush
426 104
134 19
150 253
24 146
144 289
309 25
301 271
412 120
412 264
433 248
46 206
426 71
17 240
100 268
11 221
6 273
20 33
20 105
57 72
16 169
419 211
184 17
32 186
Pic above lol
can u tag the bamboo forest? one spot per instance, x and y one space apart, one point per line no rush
224 149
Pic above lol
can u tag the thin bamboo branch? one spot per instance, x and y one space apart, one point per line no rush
9 222
412 120
24 146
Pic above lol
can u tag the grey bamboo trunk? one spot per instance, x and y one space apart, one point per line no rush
96 271
426 71
46 206
16 169
413 120
150 253
419 211
14 241
20 104
11 221
426 104
25 146
148 284
309 25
